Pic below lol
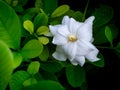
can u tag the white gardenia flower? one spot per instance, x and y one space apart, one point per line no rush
74 41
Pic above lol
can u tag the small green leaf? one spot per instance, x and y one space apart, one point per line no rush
28 25
43 40
17 79
108 34
32 49
45 54
75 75
17 59
40 19
49 6
42 30
6 65
30 81
44 85
60 11
98 32
77 15
33 67
102 15
51 66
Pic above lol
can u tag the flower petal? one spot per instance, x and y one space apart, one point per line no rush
63 30
92 56
80 60
85 31
53 29
73 26
59 40
70 49
59 54
84 47
65 20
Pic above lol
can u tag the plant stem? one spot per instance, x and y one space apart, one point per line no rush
85 11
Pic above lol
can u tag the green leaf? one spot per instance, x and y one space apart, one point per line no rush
43 40
102 15
38 4
10 27
42 30
60 11
30 81
99 63
6 65
40 19
29 14
32 49
45 85
28 25
17 79
98 32
49 6
108 34
75 75
17 59
45 54
51 66
33 67
77 15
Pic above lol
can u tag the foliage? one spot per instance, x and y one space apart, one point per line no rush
25 45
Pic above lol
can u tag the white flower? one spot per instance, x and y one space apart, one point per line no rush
74 41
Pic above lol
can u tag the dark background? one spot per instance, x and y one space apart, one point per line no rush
108 77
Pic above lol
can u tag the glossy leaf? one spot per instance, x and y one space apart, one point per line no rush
33 67
6 65
98 32
32 49
44 85
40 19
42 30
60 11
43 40
29 81
17 79
108 34
28 25
45 54
102 15
51 66
10 27
49 6
75 75
17 59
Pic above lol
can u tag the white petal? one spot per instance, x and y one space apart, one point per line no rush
84 47
74 62
73 26
70 49
85 31
80 60
63 30
59 40
92 56
65 20
90 20
53 29
59 54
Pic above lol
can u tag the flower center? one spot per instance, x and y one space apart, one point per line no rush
72 38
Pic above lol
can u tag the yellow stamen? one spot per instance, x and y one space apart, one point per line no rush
72 38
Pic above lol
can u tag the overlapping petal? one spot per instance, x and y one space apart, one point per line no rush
59 54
